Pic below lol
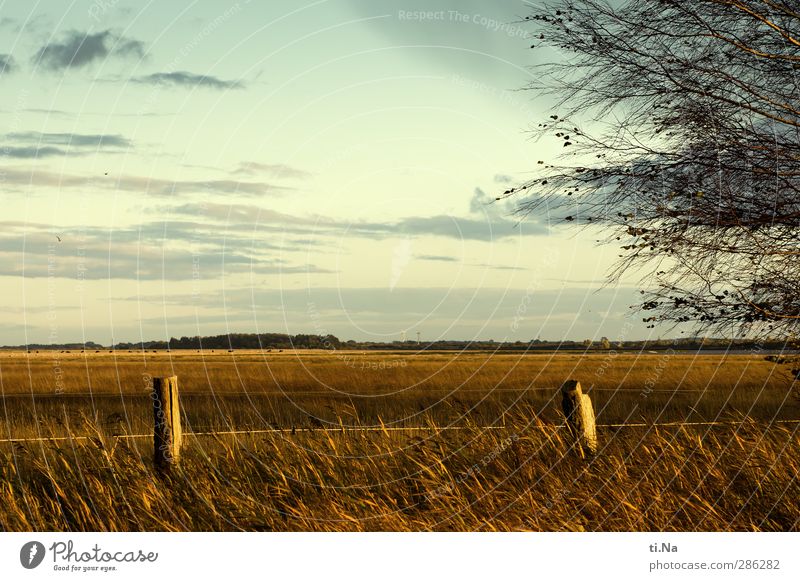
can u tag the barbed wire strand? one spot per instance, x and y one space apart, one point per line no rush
381 429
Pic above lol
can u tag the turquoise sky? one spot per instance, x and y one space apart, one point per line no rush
183 168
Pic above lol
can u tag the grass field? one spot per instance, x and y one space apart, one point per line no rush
315 475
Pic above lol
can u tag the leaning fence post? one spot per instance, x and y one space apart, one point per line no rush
167 433
578 410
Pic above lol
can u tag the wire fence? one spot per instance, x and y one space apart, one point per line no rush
355 429
288 392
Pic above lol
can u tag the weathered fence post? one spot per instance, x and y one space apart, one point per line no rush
167 434
580 417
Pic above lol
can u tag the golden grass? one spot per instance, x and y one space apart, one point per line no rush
377 372
519 477
674 479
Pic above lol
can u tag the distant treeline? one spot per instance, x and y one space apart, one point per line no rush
241 341
62 346
332 343
688 343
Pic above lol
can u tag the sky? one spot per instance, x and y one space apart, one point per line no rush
194 168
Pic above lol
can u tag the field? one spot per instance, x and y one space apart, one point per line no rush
399 441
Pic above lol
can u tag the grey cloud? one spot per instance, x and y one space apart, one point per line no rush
25 179
7 64
71 139
502 178
465 228
31 152
51 112
31 25
185 79
33 310
483 203
501 267
81 49
213 186
236 214
129 47
437 258
275 169
42 145
140 264
104 114
578 281
486 228
179 251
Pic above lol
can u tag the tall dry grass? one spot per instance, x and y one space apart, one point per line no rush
518 477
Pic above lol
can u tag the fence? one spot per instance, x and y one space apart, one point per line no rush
168 434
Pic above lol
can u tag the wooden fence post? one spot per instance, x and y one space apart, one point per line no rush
167 434
578 410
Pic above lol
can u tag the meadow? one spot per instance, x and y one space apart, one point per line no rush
399 441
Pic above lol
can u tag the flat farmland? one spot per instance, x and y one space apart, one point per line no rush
255 390
306 440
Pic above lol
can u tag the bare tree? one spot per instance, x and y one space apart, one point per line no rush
679 124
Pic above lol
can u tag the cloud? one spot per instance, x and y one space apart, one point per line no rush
480 201
104 114
274 169
81 49
31 25
185 79
7 64
485 228
590 281
455 227
500 267
502 178
483 203
179 251
73 139
209 242
26 179
41 145
31 152
50 112
241 214
437 258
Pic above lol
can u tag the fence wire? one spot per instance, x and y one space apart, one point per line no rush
356 429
